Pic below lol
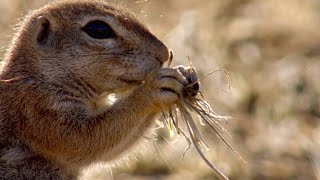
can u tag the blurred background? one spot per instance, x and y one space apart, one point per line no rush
271 51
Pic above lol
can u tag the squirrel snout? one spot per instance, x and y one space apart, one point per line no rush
159 49
161 53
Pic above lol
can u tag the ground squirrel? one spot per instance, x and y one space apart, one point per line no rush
62 63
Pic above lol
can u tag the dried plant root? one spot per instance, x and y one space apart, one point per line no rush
195 131
190 103
198 142
211 119
205 112
210 73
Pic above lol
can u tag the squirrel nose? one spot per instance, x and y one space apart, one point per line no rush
162 54
160 50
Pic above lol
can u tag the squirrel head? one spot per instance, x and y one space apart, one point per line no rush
93 40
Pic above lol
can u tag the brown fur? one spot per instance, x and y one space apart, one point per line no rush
54 119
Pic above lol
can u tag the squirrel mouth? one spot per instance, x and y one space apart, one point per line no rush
131 81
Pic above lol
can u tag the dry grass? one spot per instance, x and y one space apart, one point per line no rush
271 51
181 112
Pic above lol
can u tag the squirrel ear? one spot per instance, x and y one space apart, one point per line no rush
43 30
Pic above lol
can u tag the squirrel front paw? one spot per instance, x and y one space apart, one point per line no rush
171 84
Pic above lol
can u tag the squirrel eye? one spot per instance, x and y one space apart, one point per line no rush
98 30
